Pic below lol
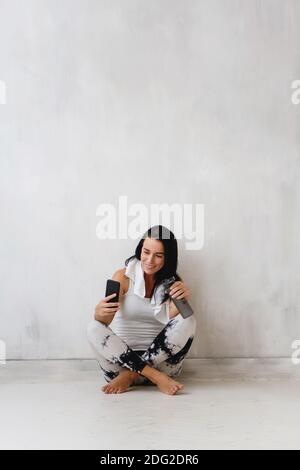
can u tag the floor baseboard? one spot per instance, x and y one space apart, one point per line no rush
194 369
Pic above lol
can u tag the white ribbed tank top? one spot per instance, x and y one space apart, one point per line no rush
134 322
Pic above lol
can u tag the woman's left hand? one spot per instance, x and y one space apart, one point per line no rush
179 290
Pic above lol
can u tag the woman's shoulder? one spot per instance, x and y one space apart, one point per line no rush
120 276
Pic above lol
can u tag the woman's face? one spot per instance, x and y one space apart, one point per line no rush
152 255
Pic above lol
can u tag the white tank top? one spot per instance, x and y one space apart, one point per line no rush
135 322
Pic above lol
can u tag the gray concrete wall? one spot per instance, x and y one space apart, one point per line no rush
164 102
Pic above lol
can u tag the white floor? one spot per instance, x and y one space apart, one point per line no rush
225 405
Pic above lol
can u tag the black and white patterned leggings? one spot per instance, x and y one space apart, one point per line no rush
166 353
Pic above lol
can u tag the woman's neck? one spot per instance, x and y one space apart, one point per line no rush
149 278
149 283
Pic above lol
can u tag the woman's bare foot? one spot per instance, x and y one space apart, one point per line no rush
121 383
167 385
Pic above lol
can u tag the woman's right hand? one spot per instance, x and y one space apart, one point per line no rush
105 311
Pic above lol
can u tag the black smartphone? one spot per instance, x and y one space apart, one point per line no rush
112 287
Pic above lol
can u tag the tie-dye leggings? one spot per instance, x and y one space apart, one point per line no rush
166 353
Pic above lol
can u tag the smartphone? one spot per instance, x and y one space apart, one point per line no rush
112 287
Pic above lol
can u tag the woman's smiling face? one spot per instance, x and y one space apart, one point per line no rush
152 255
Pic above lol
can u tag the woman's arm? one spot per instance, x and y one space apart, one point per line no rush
173 311
119 275
178 290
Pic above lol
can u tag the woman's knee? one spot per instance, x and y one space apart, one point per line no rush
181 331
192 324
188 324
93 329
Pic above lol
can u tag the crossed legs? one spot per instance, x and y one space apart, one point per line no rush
163 359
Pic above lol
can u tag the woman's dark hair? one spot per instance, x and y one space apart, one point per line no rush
161 233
